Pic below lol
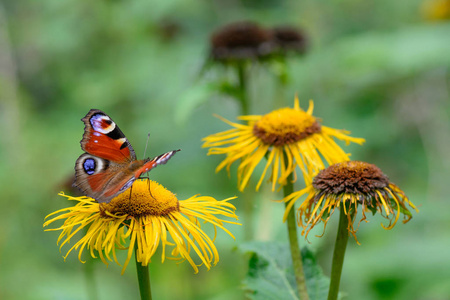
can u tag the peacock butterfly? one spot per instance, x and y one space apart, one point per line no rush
109 166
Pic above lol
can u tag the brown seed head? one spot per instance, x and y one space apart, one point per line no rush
351 177
290 38
241 40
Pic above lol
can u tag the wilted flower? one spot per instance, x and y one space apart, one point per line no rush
347 186
239 41
289 39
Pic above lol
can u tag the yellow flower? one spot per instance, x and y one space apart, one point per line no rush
436 9
346 186
149 216
287 137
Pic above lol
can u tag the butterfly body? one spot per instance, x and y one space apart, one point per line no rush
109 166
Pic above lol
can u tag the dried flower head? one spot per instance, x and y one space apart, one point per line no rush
289 38
348 185
240 41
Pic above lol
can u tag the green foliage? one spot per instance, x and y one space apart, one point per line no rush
376 68
271 276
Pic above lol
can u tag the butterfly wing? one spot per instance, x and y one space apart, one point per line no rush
149 164
109 167
103 138
103 180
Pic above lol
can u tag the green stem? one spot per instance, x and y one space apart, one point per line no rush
281 84
248 197
144 280
338 255
293 242
91 283
248 215
243 88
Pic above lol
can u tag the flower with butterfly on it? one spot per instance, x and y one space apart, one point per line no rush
348 185
142 219
287 137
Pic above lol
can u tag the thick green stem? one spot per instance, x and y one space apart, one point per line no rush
293 242
144 280
338 255
243 97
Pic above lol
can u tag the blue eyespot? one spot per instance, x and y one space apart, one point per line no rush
89 166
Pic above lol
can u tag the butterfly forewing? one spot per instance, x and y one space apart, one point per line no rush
103 138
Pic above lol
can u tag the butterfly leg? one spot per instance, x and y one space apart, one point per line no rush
131 193
149 189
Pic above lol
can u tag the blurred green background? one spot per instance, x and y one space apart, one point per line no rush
377 68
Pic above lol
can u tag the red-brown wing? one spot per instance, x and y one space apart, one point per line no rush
101 179
154 162
103 138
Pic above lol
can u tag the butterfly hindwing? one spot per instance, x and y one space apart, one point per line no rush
101 179
103 138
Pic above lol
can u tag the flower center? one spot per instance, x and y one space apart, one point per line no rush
147 198
285 126
350 177
241 40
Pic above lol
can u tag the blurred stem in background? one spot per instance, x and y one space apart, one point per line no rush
242 87
143 279
279 68
293 242
248 197
338 255
10 116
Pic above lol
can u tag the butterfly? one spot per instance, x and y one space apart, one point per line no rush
109 166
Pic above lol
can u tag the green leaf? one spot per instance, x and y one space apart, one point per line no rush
271 274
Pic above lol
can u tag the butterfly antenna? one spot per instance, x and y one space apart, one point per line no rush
146 144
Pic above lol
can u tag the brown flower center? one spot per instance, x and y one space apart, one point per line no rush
350 177
145 197
285 126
